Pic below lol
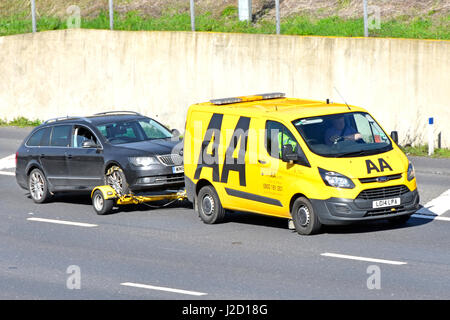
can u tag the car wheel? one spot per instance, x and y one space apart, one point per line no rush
305 219
38 186
117 180
101 205
210 209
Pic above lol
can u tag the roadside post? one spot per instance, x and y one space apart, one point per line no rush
366 19
245 10
33 15
430 136
111 14
277 13
192 15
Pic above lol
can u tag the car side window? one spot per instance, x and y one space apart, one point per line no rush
61 136
80 135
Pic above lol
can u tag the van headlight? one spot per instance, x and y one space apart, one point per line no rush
336 180
143 161
411 172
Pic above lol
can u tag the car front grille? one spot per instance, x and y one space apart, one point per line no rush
171 159
383 193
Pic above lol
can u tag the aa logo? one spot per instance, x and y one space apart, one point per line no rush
382 165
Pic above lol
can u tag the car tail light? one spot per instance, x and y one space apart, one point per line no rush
17 154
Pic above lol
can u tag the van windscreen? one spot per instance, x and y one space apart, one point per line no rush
343 135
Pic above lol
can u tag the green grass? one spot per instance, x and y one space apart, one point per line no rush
421 27
422 151
20 122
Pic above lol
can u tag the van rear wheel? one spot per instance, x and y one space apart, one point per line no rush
210 209
305 219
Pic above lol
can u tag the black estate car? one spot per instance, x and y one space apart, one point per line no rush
128 151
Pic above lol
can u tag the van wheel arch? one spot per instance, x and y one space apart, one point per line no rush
295 197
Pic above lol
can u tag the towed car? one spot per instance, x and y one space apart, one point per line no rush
126 150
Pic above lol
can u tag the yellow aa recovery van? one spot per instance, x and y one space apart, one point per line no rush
317 163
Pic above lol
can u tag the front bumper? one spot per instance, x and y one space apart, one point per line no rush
338 211
154 177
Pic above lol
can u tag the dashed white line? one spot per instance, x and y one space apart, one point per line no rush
149 287
78 224
343 256
6 173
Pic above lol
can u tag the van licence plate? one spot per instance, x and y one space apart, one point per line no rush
178 169
386 203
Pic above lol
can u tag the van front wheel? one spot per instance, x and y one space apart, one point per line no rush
210 209
305 219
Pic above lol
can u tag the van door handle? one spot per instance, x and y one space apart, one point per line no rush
262 161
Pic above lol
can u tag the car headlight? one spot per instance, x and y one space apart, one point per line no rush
411 172
143 161
336 180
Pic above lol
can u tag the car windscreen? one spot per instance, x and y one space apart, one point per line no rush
119 132
343 135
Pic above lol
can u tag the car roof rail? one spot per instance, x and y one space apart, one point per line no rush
63 118
117 112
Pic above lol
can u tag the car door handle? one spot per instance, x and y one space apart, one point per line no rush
68 156
42 155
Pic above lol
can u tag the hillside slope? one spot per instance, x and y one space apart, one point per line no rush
261 8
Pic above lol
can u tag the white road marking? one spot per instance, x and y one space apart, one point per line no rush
343 256
430 217
149 287
6 173
78 224
8 162
437 206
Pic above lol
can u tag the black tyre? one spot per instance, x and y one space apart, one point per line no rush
38 186
305 219
117 180
100 204
400 220
210 209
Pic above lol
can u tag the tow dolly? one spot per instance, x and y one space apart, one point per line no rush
105 197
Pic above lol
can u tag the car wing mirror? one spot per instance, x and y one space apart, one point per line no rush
89 144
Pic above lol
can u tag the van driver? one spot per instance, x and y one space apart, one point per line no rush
341 131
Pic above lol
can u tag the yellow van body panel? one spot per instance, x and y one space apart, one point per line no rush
270 185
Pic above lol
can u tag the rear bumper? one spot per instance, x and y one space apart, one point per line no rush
338 211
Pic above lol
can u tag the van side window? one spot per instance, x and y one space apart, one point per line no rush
61 136
278 135
80 135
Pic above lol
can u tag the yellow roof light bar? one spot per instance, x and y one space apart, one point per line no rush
256 97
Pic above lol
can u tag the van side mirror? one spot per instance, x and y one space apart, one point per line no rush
288 154
89 144
394 136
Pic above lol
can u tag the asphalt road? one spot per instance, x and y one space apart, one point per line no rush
144 253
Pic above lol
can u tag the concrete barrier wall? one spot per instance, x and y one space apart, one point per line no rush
79 72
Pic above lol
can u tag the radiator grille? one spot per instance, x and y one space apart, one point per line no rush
383 193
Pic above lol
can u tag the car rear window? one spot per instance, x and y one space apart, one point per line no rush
39 138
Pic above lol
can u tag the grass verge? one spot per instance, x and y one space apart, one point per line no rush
420 27
20 122
422 151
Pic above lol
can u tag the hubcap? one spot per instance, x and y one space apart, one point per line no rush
98 202
303 216
208 205
37 186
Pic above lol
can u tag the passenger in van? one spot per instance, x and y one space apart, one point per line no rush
340 130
